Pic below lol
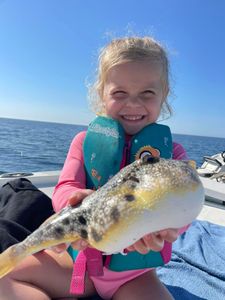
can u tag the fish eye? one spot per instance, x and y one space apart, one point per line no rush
149 159
129 197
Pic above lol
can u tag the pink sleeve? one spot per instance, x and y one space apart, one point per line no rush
72 176
178 152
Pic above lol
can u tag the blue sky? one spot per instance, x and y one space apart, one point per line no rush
49 50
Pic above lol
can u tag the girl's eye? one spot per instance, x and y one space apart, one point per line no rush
119 94
148 92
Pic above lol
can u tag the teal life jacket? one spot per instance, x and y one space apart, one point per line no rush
105 145
105 151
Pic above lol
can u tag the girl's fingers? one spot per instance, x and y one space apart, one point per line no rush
149 242
79 245
140 247
78 196
130 248
169 235
153 242
59 248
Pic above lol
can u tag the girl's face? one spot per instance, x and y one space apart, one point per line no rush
133 94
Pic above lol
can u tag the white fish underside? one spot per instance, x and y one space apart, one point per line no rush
180 213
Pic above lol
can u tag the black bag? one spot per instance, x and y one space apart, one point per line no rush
23 208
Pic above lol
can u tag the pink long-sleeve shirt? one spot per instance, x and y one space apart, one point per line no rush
73 178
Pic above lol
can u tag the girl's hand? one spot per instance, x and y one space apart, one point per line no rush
154 241
80 244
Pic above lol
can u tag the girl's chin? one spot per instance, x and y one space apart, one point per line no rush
131 130
132 127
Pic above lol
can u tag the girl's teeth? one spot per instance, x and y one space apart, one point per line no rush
132 118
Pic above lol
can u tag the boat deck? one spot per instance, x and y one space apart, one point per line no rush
213 213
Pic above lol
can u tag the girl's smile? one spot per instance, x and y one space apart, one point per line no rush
133 94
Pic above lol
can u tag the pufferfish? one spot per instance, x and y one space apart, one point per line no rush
149 195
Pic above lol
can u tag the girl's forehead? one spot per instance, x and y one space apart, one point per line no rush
150 65
136 72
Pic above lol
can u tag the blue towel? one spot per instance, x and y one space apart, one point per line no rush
197 268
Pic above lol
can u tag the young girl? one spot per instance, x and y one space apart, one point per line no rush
132 89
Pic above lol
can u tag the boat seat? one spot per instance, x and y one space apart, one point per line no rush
211 166
219 176
213 160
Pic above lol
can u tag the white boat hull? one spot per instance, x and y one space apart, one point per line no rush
213 211
39 179
44 181
213 190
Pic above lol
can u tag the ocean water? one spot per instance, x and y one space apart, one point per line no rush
31 146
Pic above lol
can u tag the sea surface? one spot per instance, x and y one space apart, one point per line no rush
31 146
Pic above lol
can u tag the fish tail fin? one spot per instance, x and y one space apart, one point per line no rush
8 261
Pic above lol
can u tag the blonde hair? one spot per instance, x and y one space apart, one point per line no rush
124 50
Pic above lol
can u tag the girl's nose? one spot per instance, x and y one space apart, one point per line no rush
133 101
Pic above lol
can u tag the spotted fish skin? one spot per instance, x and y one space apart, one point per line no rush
148 195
